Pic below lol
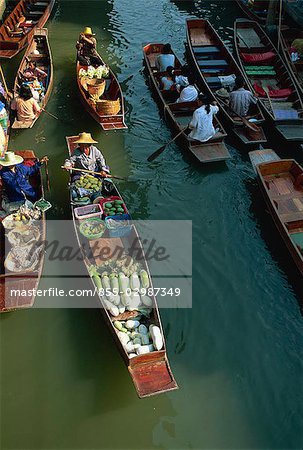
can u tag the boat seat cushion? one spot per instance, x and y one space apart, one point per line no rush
206 50
213 63
286 114
258 57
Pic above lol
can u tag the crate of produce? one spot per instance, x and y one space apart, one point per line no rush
113 206
85 212
92 228
118 226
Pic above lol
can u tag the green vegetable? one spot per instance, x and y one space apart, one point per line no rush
134 281
123 282
144 279
105 282
108 205
97 281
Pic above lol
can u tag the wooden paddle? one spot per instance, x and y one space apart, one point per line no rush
161 149
52 115
47 176
94 173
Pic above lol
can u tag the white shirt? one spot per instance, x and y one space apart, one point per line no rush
163 61
202 124
189 94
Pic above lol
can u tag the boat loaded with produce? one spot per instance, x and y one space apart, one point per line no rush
22 235
101 95
123 281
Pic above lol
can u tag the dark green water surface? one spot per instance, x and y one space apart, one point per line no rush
237 354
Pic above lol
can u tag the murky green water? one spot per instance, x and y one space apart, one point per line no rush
236 354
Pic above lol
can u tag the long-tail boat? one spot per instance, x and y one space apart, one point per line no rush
256 10
269 76
281 183
105 106
19 27
216 68
178 115
38 52
17 289
150 372
287 37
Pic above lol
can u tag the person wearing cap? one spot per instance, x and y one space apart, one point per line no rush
87 156
241 99
87 49
15 177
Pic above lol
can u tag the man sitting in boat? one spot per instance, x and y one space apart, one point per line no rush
15 178
189 93
202 122
32 72
87 49
240 99
165 59
25 106
86 156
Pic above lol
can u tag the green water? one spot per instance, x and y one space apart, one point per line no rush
236 354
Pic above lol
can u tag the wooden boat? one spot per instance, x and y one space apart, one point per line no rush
35 13
6 100
44 62
256 10
178 115
269 76
214 65
108 111
287 36
281 184
150 373
22 282
262 156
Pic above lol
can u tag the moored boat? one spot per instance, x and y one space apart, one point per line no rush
262 156
216 68
18 285
178 115
295 62
281 184
19 27
102 98
256 9
270 78
39 53
147 362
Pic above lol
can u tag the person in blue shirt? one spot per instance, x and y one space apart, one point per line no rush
15 178
165 59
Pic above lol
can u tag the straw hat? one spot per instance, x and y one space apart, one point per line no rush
88 31
10 159
85 138
223 93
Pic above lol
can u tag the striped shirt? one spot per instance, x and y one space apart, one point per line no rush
240 101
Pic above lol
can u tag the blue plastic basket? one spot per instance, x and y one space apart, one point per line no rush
121 231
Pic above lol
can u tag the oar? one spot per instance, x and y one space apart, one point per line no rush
47 176
52 115
243 119
92 172
161 149
4 82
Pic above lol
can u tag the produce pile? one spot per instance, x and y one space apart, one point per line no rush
92 228
123 284
89 182
92 72
114 208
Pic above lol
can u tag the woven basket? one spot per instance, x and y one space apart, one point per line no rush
95 86
108 107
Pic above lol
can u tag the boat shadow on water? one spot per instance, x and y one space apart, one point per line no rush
273 240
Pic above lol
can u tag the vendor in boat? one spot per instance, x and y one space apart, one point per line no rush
201 125
25 106
240 99
87 49
167 58
87 156
189 93
32 72
15 178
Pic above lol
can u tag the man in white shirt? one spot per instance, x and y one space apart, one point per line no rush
202 122
189 93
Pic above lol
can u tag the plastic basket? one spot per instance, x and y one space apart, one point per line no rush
92 220
85 212
119 231
112 199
